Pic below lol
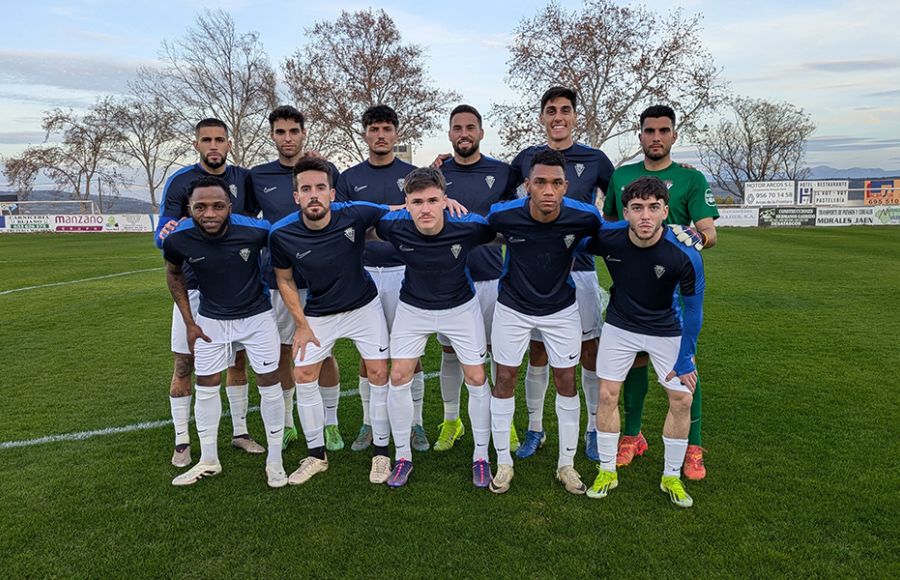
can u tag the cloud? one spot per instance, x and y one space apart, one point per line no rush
844 66
21 137
80 72
839 143
893 93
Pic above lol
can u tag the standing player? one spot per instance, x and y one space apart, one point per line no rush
379 179
537 293
212 144
234 309
273 188
647 263
437 296
477 182
690 200
324 242
586 170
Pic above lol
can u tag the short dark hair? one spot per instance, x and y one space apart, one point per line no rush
380 114
208 181
423 178
313 164
657 111
210 122
550 157
287 113
465 109
556 93
644 188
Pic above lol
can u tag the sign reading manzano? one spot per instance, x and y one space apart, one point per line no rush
765 193
78 223
785 217
822 192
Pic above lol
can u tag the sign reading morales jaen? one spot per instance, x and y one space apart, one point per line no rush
768 193
822 192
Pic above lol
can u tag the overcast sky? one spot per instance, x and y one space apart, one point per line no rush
838 60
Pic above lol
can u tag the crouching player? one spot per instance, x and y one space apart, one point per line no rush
647 262
223 250
437 296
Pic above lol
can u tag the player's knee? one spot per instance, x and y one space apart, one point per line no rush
506 381
680 402
378 373
609 395
474 375
180 387
306 374
184 366
210 380
268 379
565 381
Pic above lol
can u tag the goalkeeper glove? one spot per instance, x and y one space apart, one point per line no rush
688 236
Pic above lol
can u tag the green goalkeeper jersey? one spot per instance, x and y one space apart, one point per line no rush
690 198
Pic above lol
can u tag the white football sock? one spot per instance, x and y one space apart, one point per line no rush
271 407
607 448
451 384
331 397
207 413
181 416
568 414
674 455
365 396
238 399
400 413
537 379
480 419
288 395
501 419
311 413
381 426
418 396
591 387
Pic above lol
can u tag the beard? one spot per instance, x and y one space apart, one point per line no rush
214 165
638 235
466 152
322 212
657 155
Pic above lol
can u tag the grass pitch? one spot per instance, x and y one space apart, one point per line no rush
798 353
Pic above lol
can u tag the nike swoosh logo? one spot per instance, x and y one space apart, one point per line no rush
572 356
359 187
268 189
267 363
383 349
303 255
586 332
611 259
483 354
275 432
449 183
570 449
195 260
514 240
406 248
181 433
481 445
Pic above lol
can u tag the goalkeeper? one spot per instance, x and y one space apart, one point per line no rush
690 200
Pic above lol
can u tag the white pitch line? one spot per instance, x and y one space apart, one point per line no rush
83 435
4 292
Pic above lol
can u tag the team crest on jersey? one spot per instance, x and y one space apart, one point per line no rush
489 179
710 198
233 189
579 169
455 249
569 240
245 253
351 234
659 271
400 183
668 183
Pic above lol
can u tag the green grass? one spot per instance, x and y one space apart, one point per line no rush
799 356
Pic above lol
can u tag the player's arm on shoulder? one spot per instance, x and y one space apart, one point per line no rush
455 208
439 160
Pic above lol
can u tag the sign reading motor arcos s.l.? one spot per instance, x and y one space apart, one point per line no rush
882 192
769 193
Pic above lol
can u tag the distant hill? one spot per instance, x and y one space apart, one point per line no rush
826 172
115 205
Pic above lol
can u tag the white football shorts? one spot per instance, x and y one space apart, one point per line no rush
461 325
486 292
257 334
366 327
561 333
618 348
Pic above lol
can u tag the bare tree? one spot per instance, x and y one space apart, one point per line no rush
760 141
355 62
618 59
215 71
21 172
86 159
152 137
